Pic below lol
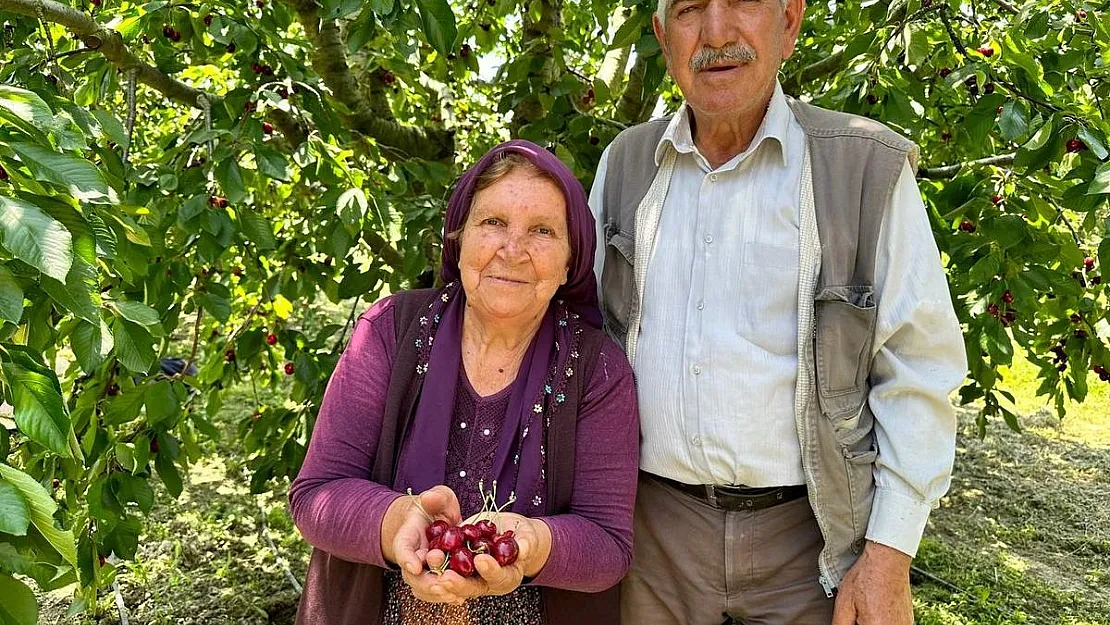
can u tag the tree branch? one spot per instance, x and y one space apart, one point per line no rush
950 171
329 60
108 42
633 104
1006 6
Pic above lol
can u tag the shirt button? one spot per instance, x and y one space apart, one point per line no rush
701 304
708 238
696 369
696 441
462 473
485 432
713 178
462 425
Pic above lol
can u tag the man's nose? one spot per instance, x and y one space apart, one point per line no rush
717 27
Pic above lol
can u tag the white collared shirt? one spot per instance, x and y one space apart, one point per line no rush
717 361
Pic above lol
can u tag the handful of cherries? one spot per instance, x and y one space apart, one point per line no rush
461 543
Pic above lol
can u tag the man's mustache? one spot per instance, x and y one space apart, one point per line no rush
737 53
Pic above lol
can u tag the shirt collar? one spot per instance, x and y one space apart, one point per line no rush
776 123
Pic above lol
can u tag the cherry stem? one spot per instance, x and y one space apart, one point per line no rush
419 506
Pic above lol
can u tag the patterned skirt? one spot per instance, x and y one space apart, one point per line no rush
520 607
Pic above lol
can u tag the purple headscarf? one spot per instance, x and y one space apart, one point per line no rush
537 390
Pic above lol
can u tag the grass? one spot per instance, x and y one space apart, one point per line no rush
1022 537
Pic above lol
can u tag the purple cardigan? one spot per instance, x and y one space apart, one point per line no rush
340 511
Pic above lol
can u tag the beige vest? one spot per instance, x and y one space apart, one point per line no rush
851 167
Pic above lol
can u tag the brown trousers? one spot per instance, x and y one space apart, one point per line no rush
698 565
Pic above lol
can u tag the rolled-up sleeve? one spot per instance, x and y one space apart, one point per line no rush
333 502
918 361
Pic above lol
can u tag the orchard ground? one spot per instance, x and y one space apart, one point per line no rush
1022 537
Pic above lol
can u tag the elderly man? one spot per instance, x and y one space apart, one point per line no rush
769 267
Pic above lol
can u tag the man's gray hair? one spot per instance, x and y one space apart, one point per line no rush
661 7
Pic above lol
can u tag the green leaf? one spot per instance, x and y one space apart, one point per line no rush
11 297
15 516
381 7
339 9
35 238
39 413
217 304
629 32
141 314
1101 181
134 489
25 108
124 407
256 228
79 295
83 180
271 163
19 606
167 470
92 342
162 405
134 345
42 512
111 126
1014 122
231 180
438 21
1094 142
283 308
351 206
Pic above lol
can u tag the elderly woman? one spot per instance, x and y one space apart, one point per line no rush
503 374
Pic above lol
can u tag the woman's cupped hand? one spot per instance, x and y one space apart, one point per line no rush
405 543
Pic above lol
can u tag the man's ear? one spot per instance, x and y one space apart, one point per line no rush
795 13
657 26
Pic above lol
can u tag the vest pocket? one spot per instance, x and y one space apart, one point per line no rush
844 330
618 289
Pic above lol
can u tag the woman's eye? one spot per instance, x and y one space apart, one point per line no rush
491 221
544 230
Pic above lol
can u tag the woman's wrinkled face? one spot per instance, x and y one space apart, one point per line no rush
514 248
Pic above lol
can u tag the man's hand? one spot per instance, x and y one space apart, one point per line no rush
876 591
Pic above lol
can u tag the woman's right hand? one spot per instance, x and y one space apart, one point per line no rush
403 540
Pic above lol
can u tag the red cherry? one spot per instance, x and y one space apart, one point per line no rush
267 70
483 545
464 51
998 110
1008 297
1104 376
435 530
271 339
267 128
993 310
1076 318
872 100
471 532
1080 333
462 562
1081 15
944 72
1089 263
988 88
967 226
113 389
154 445
260 3
256 68
255 416
1008 318
945 136
289 368
101 559
208 20
487 528
452 538
96 3
1096 280
1098 369
57 482
229 355
986 51
231 48
1075 145
3 174
505 550
1062 366
996 199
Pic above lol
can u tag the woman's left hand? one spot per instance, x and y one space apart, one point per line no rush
533 538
